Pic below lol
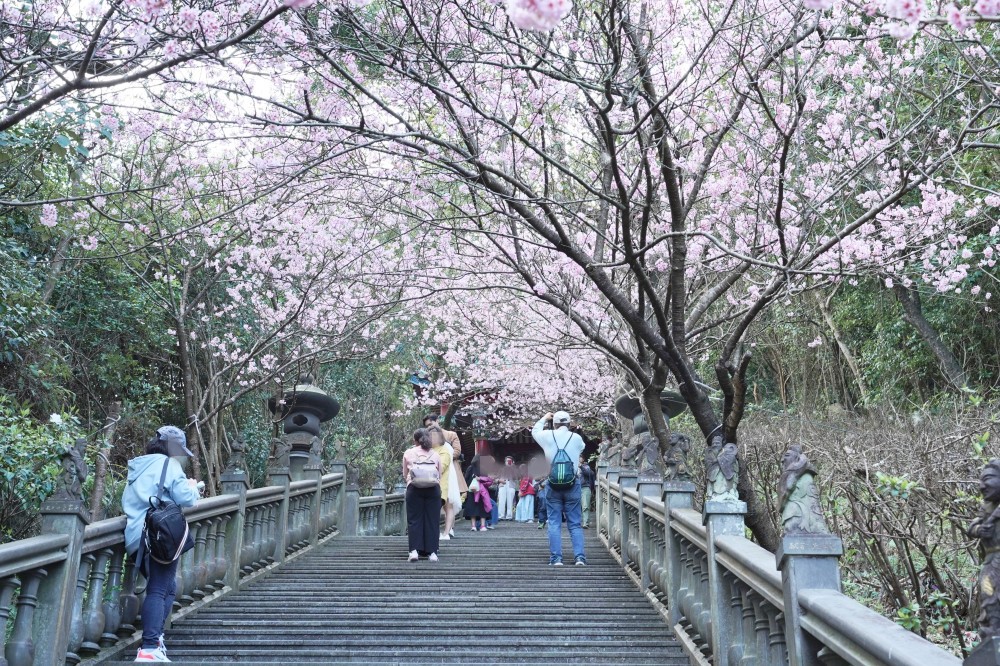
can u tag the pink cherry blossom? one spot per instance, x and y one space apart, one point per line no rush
538 15
49 216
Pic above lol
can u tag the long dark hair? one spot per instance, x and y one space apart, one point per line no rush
422 438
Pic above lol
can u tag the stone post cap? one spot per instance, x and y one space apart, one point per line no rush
61 507
808 545
679 487
717 508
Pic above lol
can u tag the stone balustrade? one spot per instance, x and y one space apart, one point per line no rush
72 594
731 602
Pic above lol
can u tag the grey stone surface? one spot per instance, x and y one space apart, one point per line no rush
491 599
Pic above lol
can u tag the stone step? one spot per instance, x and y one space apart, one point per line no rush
492 599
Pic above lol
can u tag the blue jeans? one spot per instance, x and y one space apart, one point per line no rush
540 503
161 588
494 514
556 502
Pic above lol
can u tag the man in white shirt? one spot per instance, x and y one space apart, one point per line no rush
567 499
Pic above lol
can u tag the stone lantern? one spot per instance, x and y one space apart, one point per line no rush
671 403
642 451
303 408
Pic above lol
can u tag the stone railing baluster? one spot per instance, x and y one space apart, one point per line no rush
112 599
20 650
93 615
76 624
8 586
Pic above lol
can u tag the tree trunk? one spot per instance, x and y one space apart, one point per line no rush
56 268
101 468
845 351
757 518
914 315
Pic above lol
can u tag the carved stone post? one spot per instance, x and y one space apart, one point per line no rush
378 490
649 487
600 510
63 513
315 473
806 561
629 480
349 517
723 519
235 481
676 495
807 556
280 476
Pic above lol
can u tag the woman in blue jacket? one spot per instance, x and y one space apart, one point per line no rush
143 480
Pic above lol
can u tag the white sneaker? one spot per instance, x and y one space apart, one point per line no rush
433 557
151 654
162 645
413 556
444 537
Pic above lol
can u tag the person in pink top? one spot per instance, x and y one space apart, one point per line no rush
422 471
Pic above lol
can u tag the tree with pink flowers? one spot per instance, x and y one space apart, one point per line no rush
634 185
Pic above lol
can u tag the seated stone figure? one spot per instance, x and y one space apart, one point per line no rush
799 500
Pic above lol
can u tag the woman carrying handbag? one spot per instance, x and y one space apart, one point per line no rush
478 504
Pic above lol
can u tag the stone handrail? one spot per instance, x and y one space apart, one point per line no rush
732 602
72 594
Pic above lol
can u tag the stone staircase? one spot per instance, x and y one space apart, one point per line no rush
491 599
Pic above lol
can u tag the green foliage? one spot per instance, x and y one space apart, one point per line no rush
29 464
908 617
895 486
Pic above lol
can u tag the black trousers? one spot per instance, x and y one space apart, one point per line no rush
423 518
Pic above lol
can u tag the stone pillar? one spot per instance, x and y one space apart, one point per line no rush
349 516
628 480
676 495
235 481
280 476
722 519
315 473
378 490
650 486
57 590
600 511
806 561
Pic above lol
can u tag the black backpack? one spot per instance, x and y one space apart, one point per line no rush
562 476
166 535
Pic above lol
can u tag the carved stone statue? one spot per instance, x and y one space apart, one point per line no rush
615 454
650 462
630 452
280 450
675 461
237 461
721 471
602 450
69 484
316 446
984 528
380 477
353 476
799 495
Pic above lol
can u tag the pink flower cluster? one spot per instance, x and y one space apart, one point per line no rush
49 216
538 15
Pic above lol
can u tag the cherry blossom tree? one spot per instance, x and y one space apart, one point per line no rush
663 173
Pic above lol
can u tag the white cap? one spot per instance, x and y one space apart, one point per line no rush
560 417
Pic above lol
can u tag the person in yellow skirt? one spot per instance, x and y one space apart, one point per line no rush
450 497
